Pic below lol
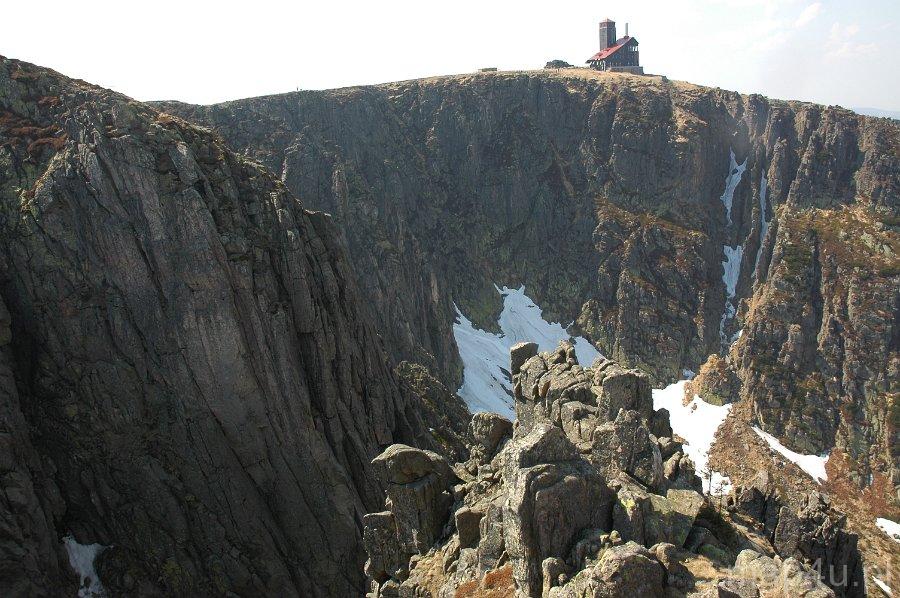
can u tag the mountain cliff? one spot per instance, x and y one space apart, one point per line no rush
670 222
207 389
186 375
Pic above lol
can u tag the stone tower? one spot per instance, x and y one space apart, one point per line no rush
607 33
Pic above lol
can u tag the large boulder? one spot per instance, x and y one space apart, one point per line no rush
400 465
787 579
625 445
618 388
760 568
795 580
519 354
678 576
628 570
491 544
649 518
487 431
552 494
418 506
387 559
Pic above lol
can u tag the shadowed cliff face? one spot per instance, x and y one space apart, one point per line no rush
616 200
185 372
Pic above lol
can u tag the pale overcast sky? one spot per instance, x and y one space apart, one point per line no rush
830 51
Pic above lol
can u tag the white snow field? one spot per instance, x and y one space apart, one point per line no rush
696 422
486 385
891 528
813 465
81 559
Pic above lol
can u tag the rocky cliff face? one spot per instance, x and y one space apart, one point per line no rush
667 220
186 372
196 372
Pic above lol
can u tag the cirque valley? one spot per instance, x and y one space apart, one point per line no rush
229 332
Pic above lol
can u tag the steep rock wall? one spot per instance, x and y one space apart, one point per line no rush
186 373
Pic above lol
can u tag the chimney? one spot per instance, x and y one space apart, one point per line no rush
626 29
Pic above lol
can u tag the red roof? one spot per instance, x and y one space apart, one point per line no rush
603 54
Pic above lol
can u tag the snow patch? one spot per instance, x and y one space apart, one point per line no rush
696 422
813 465
891 528
731 268
731 265
81 559
731 272
735 172
884 587
486 379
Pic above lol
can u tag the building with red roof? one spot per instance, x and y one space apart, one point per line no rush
616 54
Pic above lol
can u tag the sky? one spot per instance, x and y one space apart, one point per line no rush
842 52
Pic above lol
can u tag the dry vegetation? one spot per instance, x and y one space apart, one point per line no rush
495 584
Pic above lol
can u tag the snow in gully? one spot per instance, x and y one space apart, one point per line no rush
697 423
487 385
486 379
731 265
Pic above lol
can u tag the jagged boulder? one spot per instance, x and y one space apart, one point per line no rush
519 354
388 558
660 425
679 471
649 518
626 570
617 388
552 494
758 567
798 581
418 504
787 579
487 431
625 445
491 544
467 521
548 381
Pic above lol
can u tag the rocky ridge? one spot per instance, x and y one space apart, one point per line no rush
187 375
588 494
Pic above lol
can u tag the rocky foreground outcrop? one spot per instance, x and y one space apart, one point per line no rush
187 376
590 495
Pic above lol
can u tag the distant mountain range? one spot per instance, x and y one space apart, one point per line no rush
895 114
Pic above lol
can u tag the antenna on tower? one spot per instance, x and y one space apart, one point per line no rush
626 29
